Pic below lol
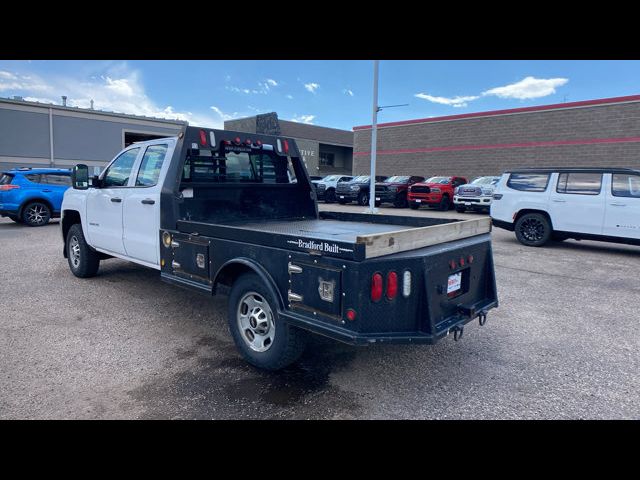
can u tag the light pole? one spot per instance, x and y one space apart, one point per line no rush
374 138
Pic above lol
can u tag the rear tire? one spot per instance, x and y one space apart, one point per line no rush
533 230
263 338
36 214
83 260
363 199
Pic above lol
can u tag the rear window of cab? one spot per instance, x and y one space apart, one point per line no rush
529 182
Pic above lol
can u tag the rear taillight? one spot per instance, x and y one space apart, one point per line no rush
6 188
286 146
376 287
392 285
351 314
237 140
203 137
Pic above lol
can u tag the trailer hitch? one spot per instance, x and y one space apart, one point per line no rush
457 333
482 319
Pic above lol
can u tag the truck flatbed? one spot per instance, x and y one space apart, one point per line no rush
346 235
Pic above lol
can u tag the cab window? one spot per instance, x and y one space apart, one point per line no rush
149 170
118 173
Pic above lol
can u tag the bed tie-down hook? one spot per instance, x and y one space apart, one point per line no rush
482 318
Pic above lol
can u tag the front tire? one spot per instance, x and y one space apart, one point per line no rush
263 338
401 201
461 209
330 196
533 230
444 204
83 260
363 199
36 214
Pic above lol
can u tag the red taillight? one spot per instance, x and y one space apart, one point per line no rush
258 143
351 314
470 259
462 261
203 137
237 140
6 188
376 287
392 285
286 147
452 264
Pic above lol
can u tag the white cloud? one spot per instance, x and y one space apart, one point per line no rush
457 101
312 87
222 115
308 119
272 82
290 97
118 90
346 91
527 88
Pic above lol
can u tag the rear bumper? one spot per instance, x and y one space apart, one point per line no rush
502 224
344 335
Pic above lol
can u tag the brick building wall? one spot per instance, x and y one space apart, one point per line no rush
596 133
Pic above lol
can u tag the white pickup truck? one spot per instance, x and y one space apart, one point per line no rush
219 211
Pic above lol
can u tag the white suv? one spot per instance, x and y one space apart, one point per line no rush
582 203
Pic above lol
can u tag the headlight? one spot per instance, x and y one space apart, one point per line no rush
435 190
355 187
455 190
487 192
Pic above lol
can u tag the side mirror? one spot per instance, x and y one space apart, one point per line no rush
80 177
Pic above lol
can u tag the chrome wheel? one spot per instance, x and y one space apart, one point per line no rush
255 322
532 230
74 251
36 214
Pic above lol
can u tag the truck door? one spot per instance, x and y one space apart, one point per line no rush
141 214
622 209
576 204
104 204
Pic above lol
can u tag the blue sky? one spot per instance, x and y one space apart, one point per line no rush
329 93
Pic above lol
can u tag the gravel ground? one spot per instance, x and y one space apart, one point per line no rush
562 345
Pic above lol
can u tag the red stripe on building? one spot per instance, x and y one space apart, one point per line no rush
556 143
584 103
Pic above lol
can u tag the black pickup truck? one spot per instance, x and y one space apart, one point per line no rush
237 214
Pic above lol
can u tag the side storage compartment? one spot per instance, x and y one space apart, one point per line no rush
186 257
315 287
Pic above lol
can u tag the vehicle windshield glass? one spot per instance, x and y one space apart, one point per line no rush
330 178
239 166
443 180
485 181
361 178
397 179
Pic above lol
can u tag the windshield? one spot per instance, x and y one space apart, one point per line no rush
485 181
330 178
442 180
361 179
397 179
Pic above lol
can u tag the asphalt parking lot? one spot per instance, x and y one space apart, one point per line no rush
563 345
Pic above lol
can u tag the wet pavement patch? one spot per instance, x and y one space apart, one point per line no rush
221 385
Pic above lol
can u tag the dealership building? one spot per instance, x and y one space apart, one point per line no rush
594 133
324 150
34 134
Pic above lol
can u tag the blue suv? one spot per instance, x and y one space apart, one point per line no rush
33 195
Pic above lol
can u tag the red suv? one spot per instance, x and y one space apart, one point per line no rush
435 192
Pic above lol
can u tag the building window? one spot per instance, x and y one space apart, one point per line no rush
326 159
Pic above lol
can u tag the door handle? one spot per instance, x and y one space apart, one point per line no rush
116 200
148 201
46 190
559 200
615 204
